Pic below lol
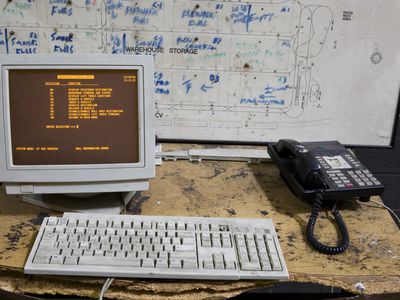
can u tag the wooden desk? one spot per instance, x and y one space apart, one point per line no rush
223 189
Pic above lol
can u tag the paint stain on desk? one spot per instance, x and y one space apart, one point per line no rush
15 232
241 174
231 212
135 205
217 171
190 191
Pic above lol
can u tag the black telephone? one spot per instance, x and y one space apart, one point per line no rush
319 171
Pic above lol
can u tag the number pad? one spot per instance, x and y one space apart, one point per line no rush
363 178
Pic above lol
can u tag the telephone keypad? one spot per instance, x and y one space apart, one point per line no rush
351 178
363 178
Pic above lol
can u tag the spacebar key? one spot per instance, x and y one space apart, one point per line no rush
108 261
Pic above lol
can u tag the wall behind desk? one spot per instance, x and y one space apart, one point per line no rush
253 71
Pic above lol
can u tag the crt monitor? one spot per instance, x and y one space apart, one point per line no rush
76 124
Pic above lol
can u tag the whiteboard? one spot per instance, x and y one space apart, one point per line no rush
238 71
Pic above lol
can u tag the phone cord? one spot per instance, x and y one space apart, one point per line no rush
344 243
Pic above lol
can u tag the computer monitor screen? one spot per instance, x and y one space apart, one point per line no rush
76 124
64 116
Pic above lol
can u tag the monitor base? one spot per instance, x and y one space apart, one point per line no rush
105 203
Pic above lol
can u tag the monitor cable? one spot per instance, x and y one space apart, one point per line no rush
344 242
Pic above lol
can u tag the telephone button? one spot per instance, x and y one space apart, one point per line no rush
333 172
349 185
341 185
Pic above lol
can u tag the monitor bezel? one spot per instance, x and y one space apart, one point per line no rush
80 172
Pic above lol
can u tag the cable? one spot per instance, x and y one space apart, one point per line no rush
105 287
384 206
344 242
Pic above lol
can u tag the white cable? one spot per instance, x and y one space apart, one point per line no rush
388 208
105 287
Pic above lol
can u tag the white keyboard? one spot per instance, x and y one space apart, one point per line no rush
157 247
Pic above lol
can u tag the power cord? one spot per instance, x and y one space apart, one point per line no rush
344 242
105 287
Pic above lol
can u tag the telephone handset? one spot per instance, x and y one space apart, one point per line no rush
318 171
304 164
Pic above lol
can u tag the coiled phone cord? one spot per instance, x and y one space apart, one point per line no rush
344 242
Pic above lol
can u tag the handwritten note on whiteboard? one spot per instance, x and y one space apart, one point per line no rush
234 71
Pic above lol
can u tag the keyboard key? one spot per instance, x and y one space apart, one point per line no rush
162 263
188 241
275 263
108 261
98 253
205 227
148 263
52 221
176 241
230 265
226 243
265 265
191 227
57 259
126 225
175 263
82 223
117 224
153 255
70 260
250 266
161 225
208 264
189 264
182 255
168 248
146 225
185 248
214 227
41 259
171 226
219 265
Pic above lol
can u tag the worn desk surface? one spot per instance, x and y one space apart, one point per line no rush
223 189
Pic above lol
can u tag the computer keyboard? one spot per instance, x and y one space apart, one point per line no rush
157 247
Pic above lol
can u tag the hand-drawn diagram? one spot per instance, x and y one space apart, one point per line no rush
230 70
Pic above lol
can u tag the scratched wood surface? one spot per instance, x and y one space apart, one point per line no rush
223 189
